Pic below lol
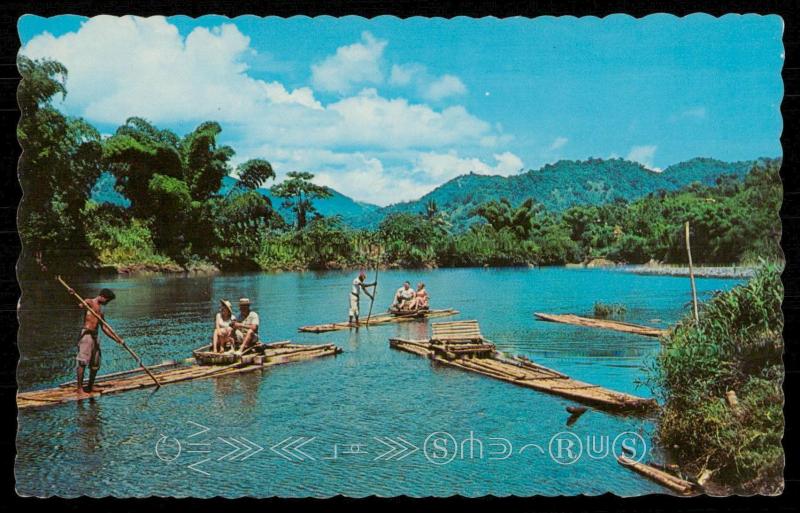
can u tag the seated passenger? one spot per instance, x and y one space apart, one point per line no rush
223 329
403 297
421 299
246 330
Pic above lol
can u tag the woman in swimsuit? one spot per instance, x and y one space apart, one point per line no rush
223 332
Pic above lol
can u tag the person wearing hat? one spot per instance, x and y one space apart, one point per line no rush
355 296
223 329
89 341
246 330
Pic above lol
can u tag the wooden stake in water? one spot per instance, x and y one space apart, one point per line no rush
691 273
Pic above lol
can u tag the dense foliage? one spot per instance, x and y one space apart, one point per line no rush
174 201
559 186
736 347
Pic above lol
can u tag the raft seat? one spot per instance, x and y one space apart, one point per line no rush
456 332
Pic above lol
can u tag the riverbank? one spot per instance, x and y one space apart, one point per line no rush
738 272
720 383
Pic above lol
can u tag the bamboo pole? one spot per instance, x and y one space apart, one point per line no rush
691 274
374 291
116 338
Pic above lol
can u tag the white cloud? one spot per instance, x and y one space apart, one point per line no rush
694 113
130 66
644 155
365 145
428 86
403 74
445 166
444 86
358 63
558 143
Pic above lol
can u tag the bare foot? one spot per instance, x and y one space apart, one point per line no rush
82 395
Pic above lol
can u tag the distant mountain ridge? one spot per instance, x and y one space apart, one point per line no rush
338 204
557 186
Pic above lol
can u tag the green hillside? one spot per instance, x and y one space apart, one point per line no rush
338 204
559 186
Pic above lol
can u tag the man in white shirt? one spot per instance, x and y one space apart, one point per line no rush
247 328
403 296
355 296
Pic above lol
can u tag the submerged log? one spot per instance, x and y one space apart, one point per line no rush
624 327
661 477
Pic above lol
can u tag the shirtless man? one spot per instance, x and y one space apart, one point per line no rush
89 342
246 330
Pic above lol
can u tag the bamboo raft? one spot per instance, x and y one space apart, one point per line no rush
625 327
376 320
460 344
175 372
665 479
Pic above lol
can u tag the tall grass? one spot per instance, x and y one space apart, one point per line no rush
737 346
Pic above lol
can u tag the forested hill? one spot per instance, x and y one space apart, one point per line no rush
559 186
337 204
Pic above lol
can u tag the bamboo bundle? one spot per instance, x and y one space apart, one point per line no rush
386 318
520 371
625 327
659 476
279 353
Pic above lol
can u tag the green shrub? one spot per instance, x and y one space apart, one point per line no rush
606 311
737 346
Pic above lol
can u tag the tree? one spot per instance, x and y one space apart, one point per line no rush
59 165
501 215
253 173
299 194
408 239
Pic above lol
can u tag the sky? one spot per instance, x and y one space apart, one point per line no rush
384 110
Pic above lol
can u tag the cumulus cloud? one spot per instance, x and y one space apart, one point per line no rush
366 145
644 155
444 86
130 66
358 63
427 85
444 166
558 143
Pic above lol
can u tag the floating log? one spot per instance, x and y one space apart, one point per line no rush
576 410
659 476
522 372
625 327
376 320
280 353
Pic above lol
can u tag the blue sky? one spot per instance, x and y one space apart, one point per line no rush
386 109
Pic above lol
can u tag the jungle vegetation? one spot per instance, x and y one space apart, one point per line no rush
180 208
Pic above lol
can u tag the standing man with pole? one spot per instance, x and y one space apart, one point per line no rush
355 296
89 349
89 340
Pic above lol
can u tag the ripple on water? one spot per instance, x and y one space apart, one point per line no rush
108 446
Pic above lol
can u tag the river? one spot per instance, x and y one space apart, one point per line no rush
369 421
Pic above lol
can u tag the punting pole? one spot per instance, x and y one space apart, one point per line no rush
116 338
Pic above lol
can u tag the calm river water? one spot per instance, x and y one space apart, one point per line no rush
369 421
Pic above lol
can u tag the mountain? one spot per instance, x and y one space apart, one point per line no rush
559 186
338 204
